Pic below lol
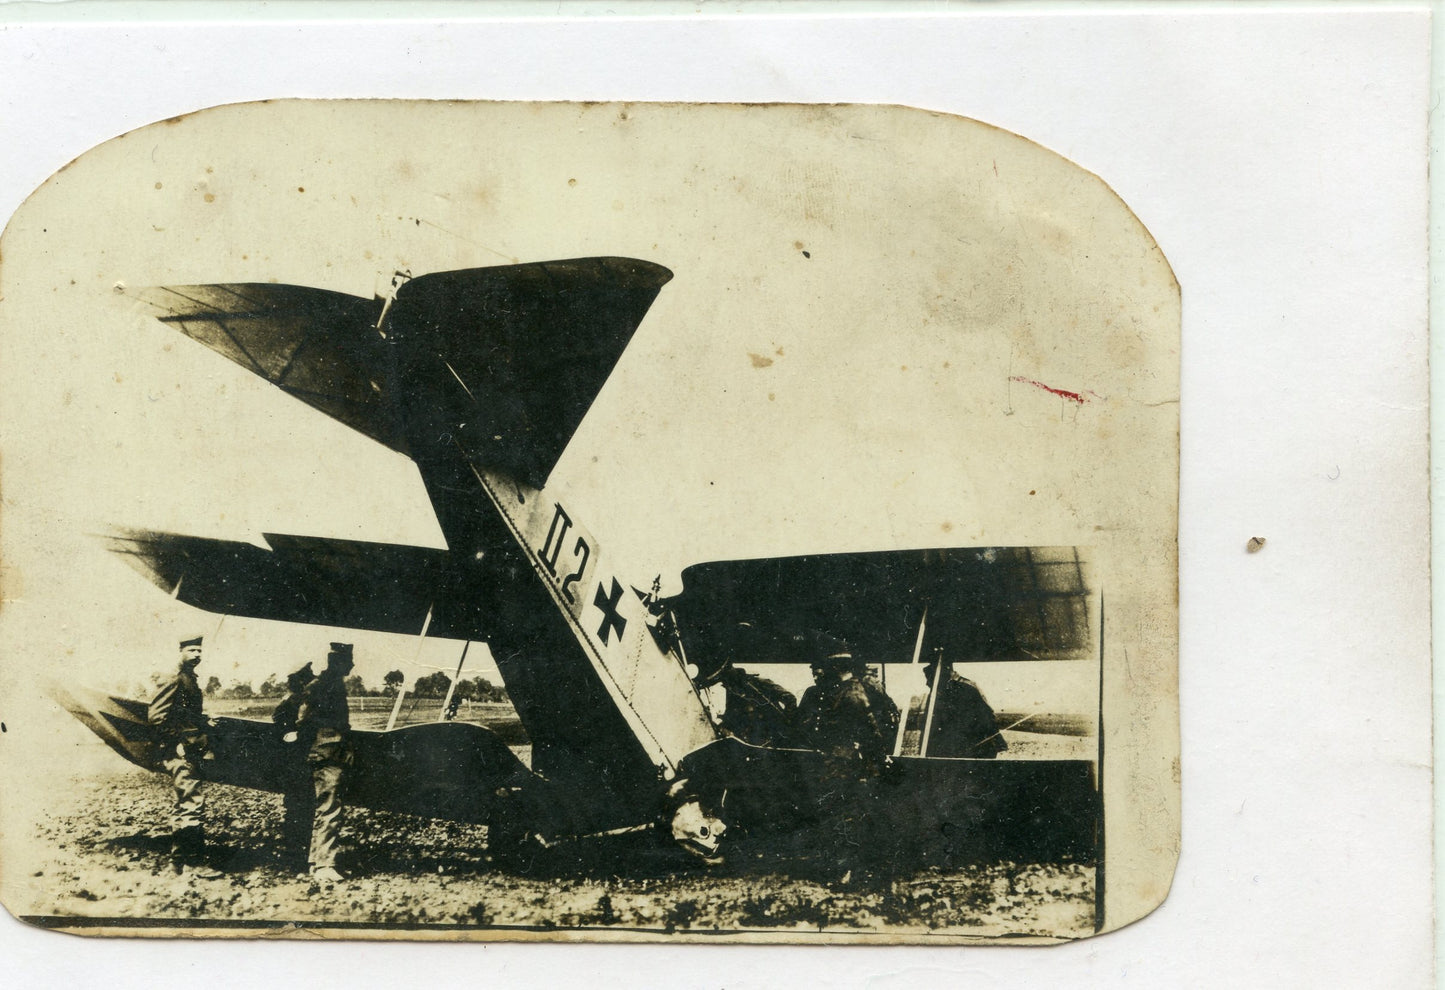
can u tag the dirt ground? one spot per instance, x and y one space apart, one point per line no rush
102 854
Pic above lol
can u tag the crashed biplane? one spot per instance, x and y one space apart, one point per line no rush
481 377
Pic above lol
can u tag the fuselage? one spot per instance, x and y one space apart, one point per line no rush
610 712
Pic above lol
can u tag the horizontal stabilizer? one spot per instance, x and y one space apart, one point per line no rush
983 604
379 586
321 347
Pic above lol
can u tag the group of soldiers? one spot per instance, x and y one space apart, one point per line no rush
312 723
848 716
847 713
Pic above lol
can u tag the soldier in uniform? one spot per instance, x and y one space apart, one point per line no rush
843 723
837 715
963 722
297 796
324 727
180 727
885 710
758 711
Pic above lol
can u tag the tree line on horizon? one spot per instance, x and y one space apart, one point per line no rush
433 685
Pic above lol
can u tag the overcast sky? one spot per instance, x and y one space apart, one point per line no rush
842 361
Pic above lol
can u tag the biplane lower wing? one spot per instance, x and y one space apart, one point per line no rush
119 722
796 801
343 583
447 770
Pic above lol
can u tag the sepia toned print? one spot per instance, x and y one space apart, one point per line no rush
588 521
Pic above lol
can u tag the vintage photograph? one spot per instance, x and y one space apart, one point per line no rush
587 521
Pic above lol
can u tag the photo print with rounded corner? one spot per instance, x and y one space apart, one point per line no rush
603 521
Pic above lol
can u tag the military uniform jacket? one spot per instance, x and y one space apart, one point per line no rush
759 711
288 711
324 720
884 709
841 721
963 722
176 711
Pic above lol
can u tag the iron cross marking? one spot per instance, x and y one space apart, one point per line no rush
611 619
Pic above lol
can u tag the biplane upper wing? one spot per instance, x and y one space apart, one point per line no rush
346 583
989 603
505 359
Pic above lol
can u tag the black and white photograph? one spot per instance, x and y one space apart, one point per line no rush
842 350
590 521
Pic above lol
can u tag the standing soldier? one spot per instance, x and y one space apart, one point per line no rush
180 727
841 721
963 722
297 795
324 725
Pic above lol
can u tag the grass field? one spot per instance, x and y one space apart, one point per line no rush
102 853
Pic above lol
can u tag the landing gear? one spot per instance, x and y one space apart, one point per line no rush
693 826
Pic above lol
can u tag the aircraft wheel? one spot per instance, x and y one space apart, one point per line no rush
694 828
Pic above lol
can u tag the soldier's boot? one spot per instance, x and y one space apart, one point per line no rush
186 846
188 849
295 851
327 875
295 854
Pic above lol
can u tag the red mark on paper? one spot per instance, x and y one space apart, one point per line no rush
1079 397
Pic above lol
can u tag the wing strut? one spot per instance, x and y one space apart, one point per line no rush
452 687
903 719
396 706
401 691
932 703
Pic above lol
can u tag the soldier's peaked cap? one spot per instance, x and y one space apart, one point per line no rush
340 650
191 641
